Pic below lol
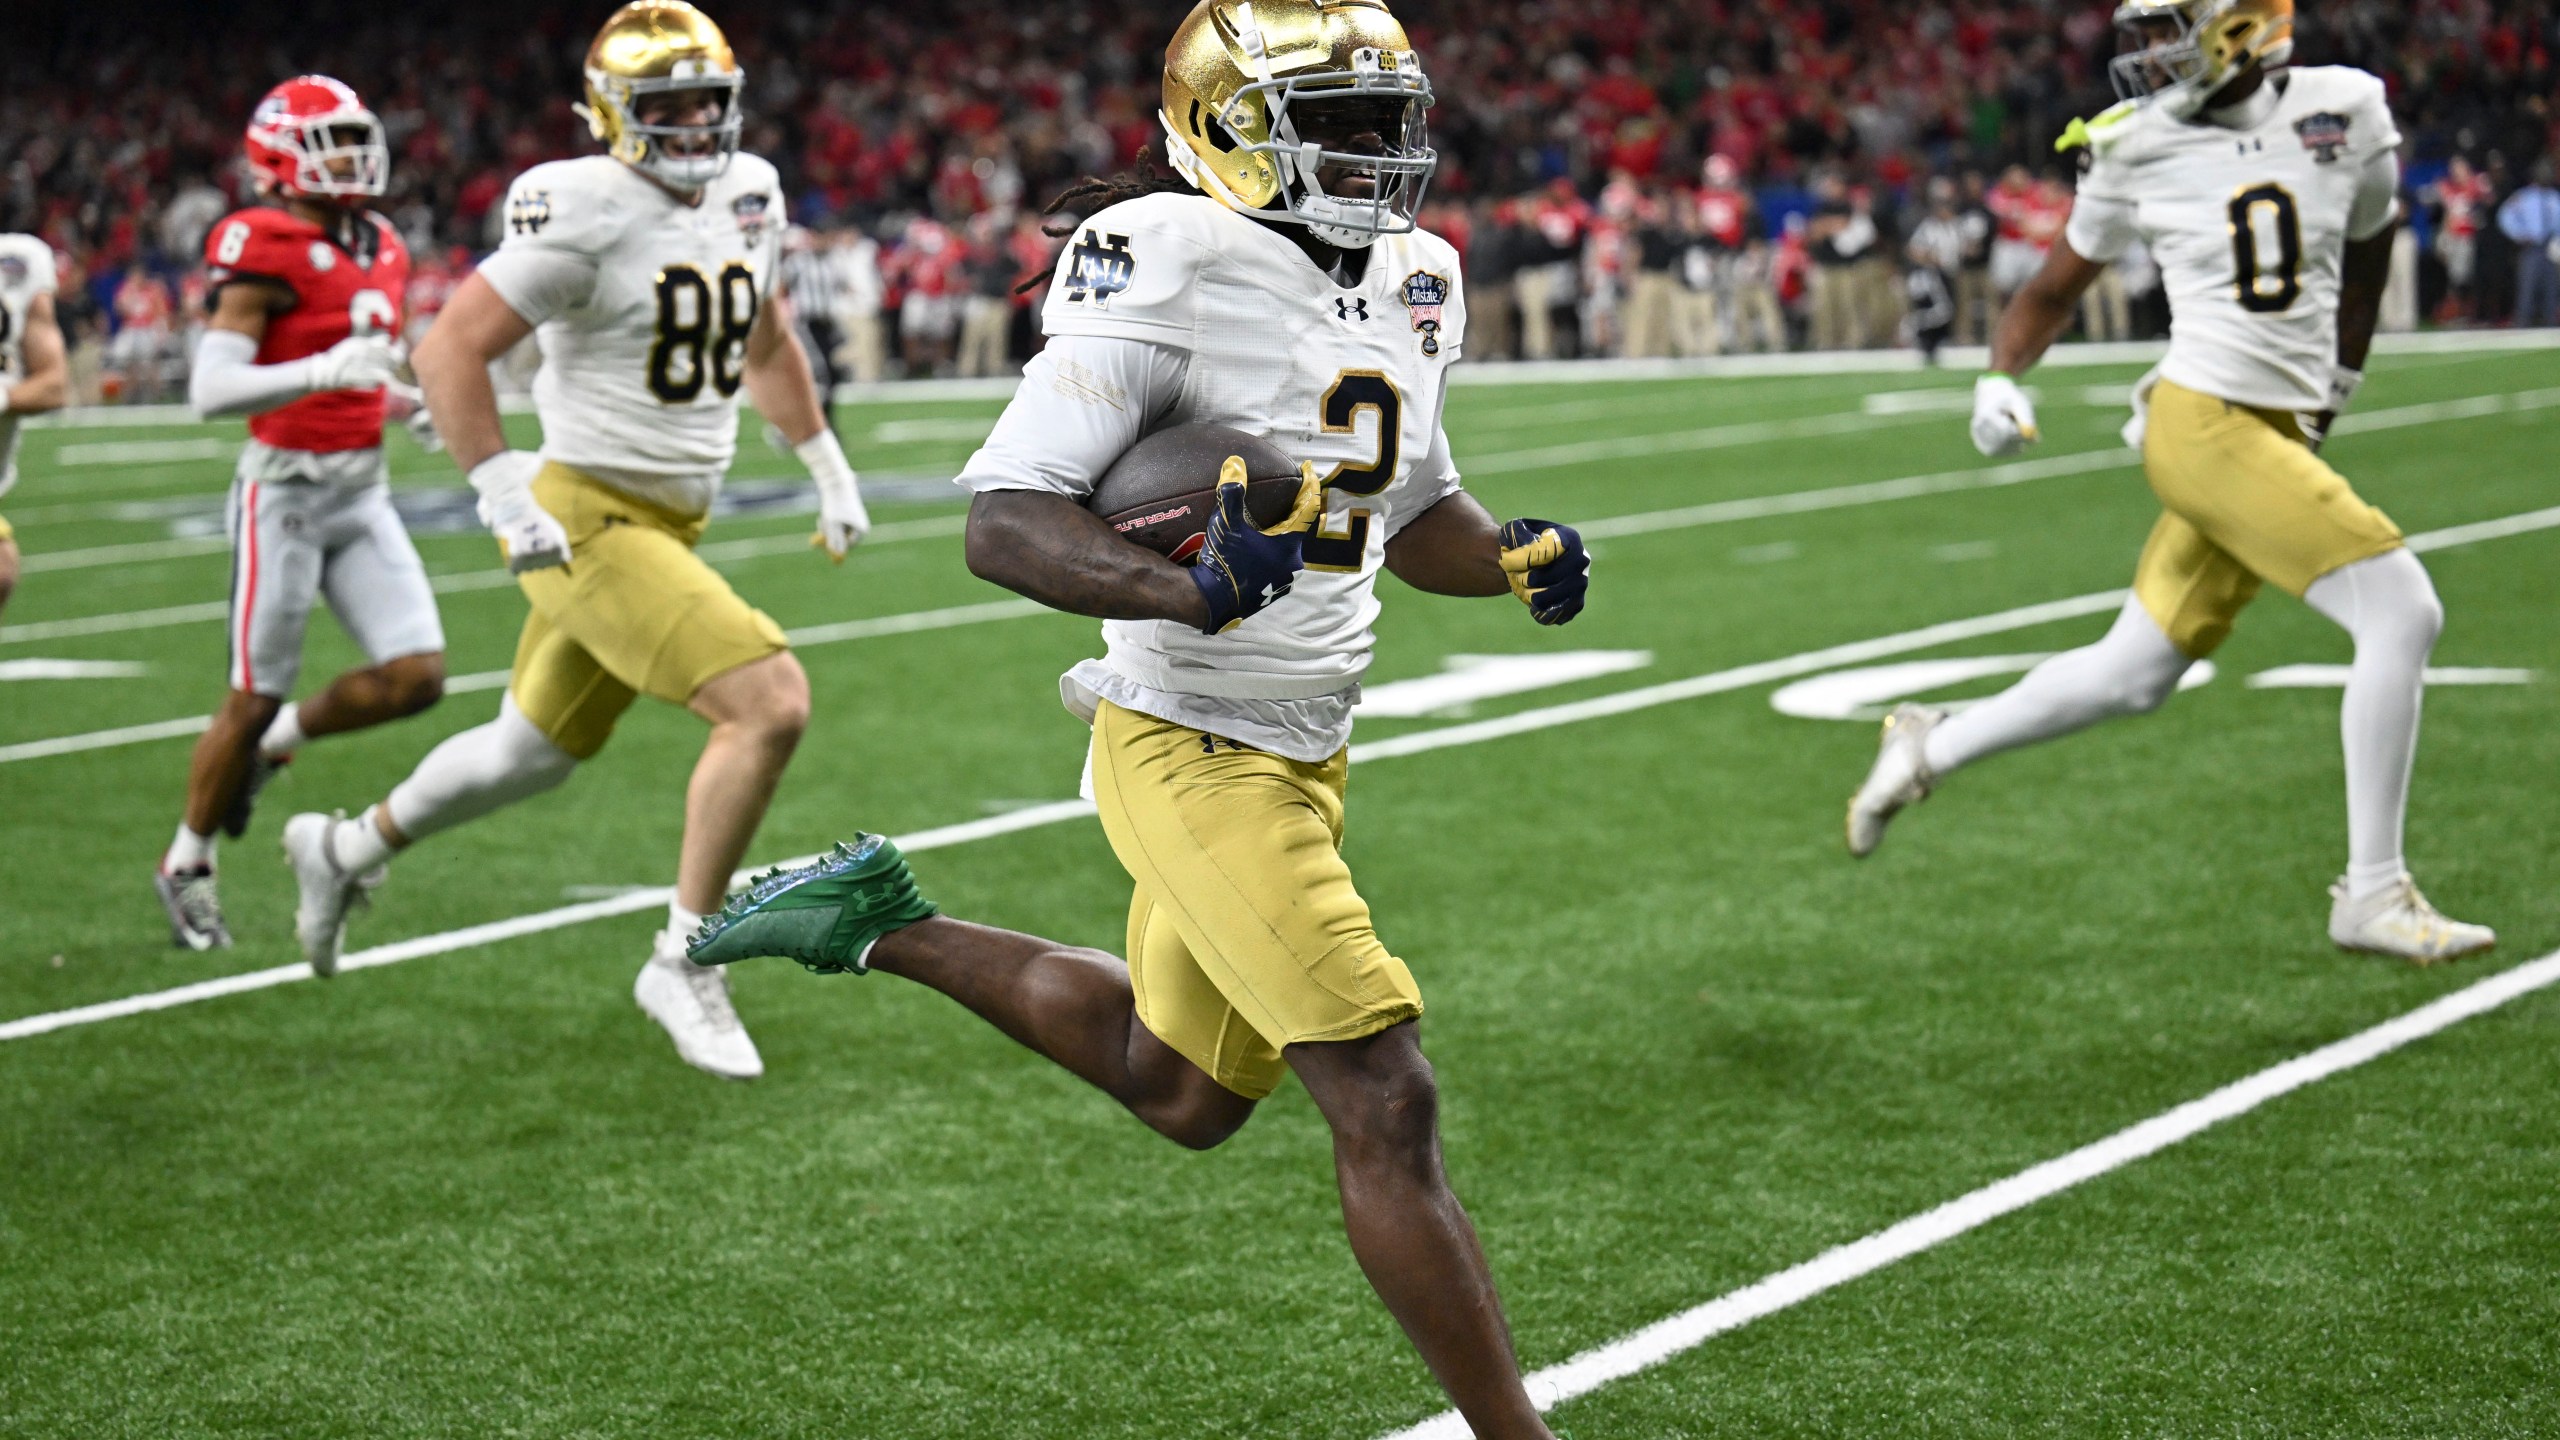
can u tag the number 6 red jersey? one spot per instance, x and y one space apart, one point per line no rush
336 293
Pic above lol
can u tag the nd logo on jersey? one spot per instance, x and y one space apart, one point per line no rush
529 212
1098 268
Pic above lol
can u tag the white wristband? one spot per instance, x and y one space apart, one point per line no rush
2342 387
823 454
5 388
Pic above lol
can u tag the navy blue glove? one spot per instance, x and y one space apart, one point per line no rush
1240 568
1549 569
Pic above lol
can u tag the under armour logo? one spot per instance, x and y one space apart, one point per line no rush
1270 593
1355 309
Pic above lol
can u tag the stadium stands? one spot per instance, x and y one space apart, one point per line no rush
1574 136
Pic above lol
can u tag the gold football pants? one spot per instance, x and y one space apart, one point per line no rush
634 612
1246 934
2243 501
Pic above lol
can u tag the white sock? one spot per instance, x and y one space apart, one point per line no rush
2366 881
478 771
681 923
357 845
2390 607
285 735
2130 670
190 851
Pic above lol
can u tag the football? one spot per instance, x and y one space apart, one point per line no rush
1160 493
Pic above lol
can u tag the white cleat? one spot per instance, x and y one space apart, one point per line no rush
195 909
2398 921
692 1003
328 891
1901 776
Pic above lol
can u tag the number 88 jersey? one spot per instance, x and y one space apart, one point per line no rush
641 303
2248 223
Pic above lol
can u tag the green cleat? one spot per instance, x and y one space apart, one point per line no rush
826 915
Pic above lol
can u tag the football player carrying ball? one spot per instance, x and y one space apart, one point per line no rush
1277 285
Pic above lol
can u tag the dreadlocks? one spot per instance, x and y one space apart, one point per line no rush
1145 176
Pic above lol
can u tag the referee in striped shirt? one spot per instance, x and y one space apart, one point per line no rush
816 293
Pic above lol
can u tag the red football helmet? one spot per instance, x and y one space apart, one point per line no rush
312 136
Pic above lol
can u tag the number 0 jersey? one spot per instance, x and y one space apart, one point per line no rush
642 304
26 271
2249 224
1234 325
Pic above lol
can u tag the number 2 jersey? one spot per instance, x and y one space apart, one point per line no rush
1172 309
26 272
337 291
2249 224
641 302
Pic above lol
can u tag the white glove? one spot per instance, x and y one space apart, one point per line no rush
532 539
842 522
2003 421
359 362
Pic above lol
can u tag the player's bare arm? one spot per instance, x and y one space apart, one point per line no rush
2363 274
778 375
2042 309
47 382
1453 548
2003 418
452 365
1051 549
1457 548
452 362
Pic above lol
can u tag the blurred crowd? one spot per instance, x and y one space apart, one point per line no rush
1624 178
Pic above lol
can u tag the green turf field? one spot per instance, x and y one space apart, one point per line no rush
1685 1042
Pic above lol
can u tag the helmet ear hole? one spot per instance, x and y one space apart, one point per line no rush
1215 132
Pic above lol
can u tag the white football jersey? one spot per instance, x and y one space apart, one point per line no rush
2249 226
26 271
1351 379
642 305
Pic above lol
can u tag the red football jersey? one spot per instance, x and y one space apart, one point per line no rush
335 294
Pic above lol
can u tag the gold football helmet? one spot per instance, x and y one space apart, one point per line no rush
2215 40
656 47
1242 75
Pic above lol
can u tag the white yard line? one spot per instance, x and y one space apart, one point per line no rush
1686 1331
97 555
143 452
1545 717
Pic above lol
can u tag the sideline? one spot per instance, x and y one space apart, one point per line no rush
1058 812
